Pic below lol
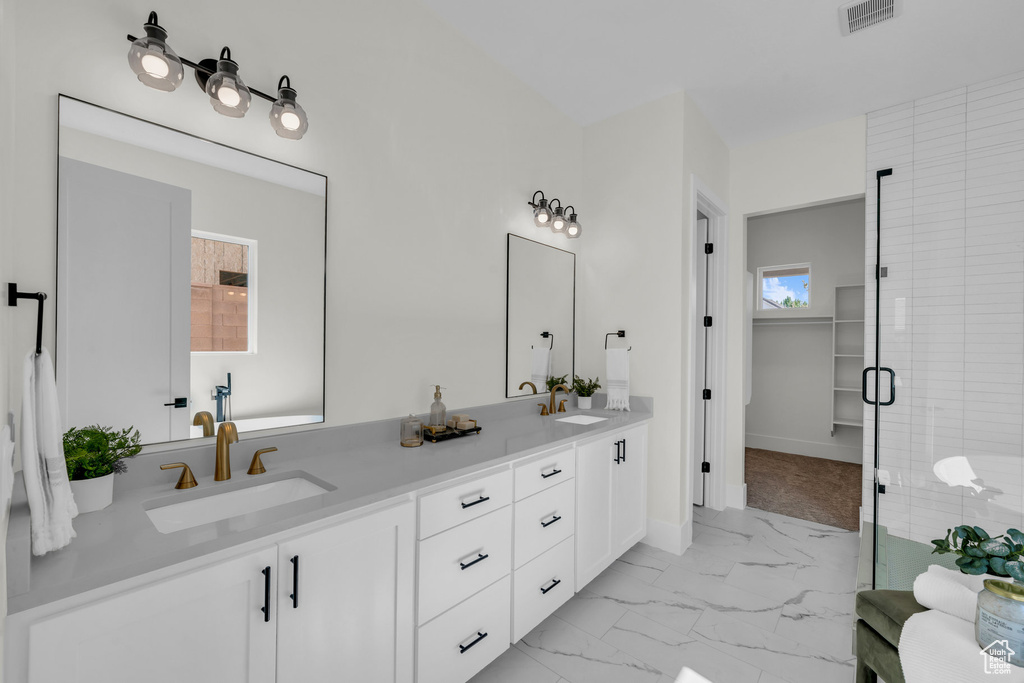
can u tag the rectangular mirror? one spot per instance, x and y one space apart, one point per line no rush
190 281
540 332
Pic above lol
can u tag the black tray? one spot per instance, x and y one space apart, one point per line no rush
448 434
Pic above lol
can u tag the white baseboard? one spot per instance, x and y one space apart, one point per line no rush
813 449
669 537
736 496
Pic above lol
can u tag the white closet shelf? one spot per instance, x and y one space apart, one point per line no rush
854 389
859 320
848 421
805 320
849 355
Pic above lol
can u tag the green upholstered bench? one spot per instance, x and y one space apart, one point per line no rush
881 616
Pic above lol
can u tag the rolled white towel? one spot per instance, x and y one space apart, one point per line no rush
949 591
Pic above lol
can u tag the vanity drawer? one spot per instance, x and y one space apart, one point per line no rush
459 562
543 520
462 641
463 502
541 587
545 472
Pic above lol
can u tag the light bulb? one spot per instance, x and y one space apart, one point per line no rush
558 222
290 120
155 65
287 117
227 92
228 96
153 60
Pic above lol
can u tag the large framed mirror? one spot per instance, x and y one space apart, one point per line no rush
540 309
190 281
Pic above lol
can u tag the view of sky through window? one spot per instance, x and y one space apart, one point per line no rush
785 287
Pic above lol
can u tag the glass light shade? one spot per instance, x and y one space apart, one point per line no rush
558 222
286 116
574 229
227 92
542 214
153 60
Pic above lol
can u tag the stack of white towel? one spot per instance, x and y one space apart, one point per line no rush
939 645
540 366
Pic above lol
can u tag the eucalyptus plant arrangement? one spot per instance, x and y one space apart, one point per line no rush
96 451
555 381
585 387
980 553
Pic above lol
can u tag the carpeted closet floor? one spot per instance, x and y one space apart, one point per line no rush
815 489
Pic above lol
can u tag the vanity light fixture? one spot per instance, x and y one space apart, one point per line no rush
574 230
157 66
541 212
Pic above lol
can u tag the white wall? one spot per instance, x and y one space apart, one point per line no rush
636 169
820 165
791 399
431 150
7 357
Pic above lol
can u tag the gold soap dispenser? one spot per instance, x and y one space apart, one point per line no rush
438 413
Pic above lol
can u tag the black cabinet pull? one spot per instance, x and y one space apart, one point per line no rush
550 474
623 450
554 582
554 518
479 636
295 583
479 558
479 500
618 452
266 594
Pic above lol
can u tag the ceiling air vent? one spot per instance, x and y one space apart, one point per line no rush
857 16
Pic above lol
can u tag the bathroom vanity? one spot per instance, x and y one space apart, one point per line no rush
413 564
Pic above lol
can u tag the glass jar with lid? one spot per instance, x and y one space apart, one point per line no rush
412 431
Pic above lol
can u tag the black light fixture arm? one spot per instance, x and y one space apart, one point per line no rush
12 300
568 212
207 71
533 201
552 203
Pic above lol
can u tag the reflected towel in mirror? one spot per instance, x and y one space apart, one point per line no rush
617 382
540 367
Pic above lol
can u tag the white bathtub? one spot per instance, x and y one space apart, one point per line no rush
253 424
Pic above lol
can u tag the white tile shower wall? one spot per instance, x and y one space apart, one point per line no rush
952 310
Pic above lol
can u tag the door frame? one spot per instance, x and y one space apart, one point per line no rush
705 201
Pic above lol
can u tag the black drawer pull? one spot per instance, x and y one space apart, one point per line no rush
479 636
554 518
623 450
295 582
479 500
554 582
266 594
480 557
550 474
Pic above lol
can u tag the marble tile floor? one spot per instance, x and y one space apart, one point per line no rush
757 598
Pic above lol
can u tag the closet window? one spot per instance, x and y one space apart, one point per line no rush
784 287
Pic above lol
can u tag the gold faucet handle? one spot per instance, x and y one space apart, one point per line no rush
186 480
256 466
543 409
561 405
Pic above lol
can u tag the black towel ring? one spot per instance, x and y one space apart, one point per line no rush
546 335
620 333
12 300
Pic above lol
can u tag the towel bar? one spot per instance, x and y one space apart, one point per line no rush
12 300
620 333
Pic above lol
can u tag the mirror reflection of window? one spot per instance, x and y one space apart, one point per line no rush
221 295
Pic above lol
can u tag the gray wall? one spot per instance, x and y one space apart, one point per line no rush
791 382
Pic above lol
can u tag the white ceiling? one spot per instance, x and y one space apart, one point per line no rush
756 68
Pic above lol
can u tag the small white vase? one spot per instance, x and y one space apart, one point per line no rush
584 402
93 494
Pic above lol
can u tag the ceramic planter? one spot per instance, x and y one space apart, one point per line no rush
93 494
584 402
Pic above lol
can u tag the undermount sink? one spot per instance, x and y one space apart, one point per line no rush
581 419
169 515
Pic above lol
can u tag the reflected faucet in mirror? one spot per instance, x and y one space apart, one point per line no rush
532 386
204 418
554 389
226 435
223 395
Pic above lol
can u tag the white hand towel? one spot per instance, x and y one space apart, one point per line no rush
949 591
42 458
936 647
6 469
617 378
540 367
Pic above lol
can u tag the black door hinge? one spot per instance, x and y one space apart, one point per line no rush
709 248
707 394
705 467
707 321
881 488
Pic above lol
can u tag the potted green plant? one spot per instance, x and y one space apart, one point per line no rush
585 390
979 553
93 455
555 381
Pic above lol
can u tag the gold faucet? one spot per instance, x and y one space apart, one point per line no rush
186 480
256 466
204 418
227 434
532 386
561 409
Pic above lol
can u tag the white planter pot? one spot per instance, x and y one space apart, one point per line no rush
584 402
93 494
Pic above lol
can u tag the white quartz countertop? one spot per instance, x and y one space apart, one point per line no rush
365 463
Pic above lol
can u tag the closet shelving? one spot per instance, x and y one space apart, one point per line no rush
847 357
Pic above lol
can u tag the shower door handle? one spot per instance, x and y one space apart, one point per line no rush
892 387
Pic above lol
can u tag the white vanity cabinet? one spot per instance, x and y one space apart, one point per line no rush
353 617
611 500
